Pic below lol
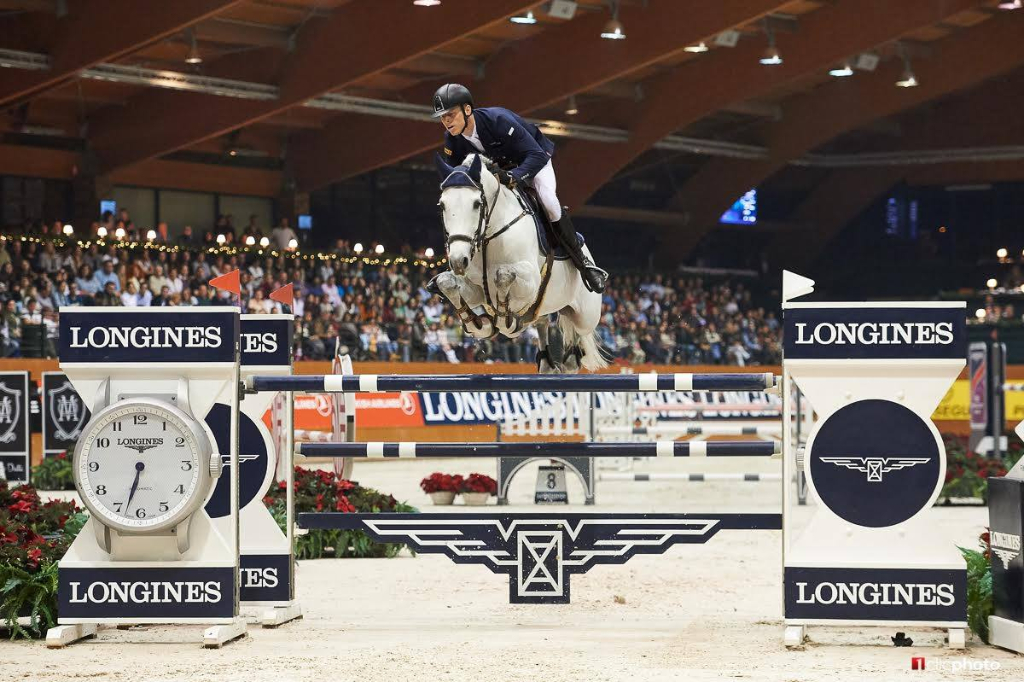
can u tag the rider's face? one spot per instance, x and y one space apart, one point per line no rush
454 120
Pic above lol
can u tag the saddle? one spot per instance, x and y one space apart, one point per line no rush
545 232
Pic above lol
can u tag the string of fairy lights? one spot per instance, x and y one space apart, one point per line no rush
260 249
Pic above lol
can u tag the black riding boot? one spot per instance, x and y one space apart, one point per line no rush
594 278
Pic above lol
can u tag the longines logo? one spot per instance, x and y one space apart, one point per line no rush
146 337
259 343
875 333
1006 546
146 592
242 459
880 594
874 467
140 444
259 577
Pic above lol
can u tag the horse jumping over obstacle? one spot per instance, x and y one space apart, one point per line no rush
498 266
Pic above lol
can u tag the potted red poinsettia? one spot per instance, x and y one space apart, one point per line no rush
442 488
476 488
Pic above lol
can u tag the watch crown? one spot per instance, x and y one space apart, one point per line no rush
216 465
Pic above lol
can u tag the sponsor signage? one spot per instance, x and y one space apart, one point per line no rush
149 594
875 333
14 433
903 594
866 476
264 578
265 341
977 364
64 413
129 336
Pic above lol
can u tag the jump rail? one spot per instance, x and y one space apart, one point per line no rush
555 450
691 429
692 477
568 383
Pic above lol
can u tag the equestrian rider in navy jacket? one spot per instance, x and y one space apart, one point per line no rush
505 138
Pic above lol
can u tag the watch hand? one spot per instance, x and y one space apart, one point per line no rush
139 466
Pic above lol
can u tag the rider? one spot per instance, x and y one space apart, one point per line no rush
508 140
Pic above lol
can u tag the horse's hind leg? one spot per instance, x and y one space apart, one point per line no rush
578 322
545 364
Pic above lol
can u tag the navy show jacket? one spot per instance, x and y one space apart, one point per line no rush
507 139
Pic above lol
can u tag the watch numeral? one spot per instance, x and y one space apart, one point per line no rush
101 490
94 466
117 506
180 489
116 426
102 443
165 426
138 419
164 507
186 465
140 513
179 442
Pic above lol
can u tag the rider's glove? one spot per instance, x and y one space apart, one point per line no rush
507 179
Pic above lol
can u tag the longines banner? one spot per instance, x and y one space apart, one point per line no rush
64 414
14 435
431 409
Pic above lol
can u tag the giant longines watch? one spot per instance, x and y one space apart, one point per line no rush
144 467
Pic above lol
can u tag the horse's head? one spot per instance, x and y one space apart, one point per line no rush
468 193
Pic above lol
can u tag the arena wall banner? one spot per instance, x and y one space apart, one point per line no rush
14 434
64 414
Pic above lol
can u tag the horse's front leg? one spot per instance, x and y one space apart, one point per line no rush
516 286
465 296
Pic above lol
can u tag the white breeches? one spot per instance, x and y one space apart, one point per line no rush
544 184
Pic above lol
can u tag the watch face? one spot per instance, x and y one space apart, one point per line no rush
141 464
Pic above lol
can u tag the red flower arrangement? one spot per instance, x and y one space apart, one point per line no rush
438 482
479 483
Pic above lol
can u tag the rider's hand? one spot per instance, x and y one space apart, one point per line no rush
507 179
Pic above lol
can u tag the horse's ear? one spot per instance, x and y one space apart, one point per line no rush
474 168
443 169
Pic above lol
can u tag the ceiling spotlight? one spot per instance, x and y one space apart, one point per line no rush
69 230
527 18
250 240
264 242
1001 253
379 249
221 239
358 248
119 233
729 38
699 47
101 232
1011 4
771 56
426 3
991 283
841 71
980 313
429 253
193 51
571 109
293 243
907 78
867 61
614 30
151 235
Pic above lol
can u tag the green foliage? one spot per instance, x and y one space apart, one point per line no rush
31 594
979 592
317 490
967 474
54 473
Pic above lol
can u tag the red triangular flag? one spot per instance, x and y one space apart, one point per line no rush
285 295
229 282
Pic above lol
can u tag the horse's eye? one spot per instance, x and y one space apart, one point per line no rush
476 204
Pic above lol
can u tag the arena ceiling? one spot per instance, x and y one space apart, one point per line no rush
305 93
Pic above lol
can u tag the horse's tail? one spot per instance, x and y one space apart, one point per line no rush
592 359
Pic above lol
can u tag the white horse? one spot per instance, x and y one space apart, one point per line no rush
499 280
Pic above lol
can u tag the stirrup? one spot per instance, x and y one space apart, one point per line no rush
600 273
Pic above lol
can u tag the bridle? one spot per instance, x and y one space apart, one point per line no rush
480 237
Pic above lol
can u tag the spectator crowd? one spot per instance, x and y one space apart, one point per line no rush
376 312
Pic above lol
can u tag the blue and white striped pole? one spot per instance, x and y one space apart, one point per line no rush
382 450
569 383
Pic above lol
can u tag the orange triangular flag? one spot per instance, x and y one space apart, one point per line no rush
229 282
285 295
